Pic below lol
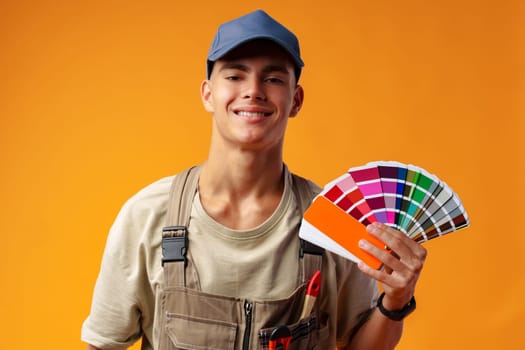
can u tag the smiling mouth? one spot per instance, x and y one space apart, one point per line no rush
252 114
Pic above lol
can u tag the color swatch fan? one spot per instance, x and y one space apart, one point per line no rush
402 196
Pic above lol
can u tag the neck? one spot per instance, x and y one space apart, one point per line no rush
242 173
240 188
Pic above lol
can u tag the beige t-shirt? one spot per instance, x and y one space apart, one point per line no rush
256 264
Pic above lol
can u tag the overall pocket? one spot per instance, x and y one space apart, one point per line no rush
305 335
188 333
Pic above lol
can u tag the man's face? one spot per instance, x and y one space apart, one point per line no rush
252 92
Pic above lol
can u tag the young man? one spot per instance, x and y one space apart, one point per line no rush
237 275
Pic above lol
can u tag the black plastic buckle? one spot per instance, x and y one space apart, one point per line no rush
309 248
174 244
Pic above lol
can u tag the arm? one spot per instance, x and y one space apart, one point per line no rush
91 347
399 277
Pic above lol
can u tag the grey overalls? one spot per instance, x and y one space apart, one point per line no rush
192 319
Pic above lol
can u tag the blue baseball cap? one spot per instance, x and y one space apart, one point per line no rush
253 26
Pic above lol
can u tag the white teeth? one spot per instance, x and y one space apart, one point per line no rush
251 114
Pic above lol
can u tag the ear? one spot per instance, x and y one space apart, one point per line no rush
297 101
206 96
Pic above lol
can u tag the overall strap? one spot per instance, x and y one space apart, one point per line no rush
310 254
175 234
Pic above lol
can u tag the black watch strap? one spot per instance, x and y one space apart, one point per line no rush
396 315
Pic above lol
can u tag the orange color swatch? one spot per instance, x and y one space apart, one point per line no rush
332 221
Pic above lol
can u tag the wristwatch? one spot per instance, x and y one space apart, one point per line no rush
396 315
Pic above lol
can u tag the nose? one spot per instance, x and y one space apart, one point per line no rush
254 89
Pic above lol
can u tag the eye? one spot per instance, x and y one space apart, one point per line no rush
232 77
274 80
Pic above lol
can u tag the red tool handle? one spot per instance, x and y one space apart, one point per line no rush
280 344
314 285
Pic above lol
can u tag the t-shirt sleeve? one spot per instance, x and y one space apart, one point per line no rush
123 291
114 320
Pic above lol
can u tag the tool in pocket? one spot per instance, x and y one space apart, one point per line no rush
280 338
311 294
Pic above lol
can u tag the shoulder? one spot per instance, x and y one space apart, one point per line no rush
152 196
312 186
304 185
148 201
141 215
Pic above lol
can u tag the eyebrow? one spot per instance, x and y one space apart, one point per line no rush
267 69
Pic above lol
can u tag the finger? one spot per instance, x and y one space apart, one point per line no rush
409 252
394 274
377 275
389 280
387 257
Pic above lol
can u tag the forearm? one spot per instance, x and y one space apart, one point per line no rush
378 333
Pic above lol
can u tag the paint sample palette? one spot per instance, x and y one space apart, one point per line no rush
402 196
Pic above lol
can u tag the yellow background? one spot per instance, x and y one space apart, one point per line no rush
100 98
